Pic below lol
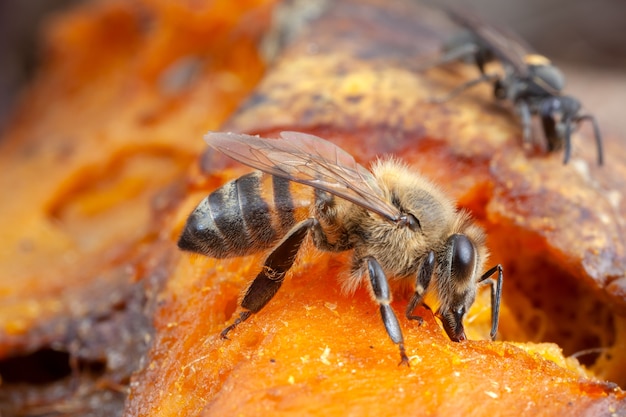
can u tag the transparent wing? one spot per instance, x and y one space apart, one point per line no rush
505 45
444 57
308 160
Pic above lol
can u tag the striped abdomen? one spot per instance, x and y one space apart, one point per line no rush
247 215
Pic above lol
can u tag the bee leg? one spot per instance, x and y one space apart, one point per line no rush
596 133
567 141
269 280
496 296
381 290
524 112
551 129
465 86
243 316
421 285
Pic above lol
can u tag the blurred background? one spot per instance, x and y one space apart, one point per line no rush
587 40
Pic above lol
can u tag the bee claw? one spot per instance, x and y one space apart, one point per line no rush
243 316
404 359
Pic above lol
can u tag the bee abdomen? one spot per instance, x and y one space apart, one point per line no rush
236 220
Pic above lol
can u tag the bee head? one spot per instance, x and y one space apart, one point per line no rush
567 106
556 112
460 291
453 313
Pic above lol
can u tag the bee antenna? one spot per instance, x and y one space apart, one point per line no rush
496 296
590 351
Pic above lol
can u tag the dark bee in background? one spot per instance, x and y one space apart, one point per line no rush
400 227
530 82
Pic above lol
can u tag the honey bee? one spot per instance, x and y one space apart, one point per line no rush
400 227
530 82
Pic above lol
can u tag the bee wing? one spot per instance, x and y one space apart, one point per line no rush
444 57
308 160
507 46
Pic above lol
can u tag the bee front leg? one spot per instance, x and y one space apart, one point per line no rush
547 110
381 290
269 280
596 133
496 296
422 282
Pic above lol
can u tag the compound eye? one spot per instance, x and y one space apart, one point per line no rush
462 257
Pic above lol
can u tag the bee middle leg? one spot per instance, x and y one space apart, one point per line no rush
380 286
272 275
422 282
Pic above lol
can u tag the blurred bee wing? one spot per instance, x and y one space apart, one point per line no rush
442 58
308 160
507 46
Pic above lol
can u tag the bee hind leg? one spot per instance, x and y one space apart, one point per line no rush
272 275
422 281
380 287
